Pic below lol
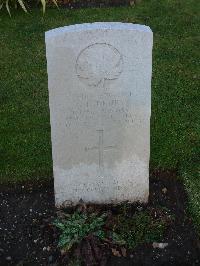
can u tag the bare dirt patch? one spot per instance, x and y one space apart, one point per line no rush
27 236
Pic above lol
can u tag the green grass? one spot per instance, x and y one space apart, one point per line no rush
25 146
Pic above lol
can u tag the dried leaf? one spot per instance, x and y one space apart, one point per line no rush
115 252
160 245
8 8
22 5
43 5
55 2
123 251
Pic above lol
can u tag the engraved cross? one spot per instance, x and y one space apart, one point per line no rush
101 148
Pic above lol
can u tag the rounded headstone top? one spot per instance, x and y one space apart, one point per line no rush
97 26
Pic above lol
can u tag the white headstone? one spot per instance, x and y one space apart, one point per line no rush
99 79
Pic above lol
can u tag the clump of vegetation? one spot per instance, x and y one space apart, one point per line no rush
114 229
77 226
22 3
138 229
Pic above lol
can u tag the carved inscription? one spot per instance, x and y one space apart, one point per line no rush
97 63
89 109
100 148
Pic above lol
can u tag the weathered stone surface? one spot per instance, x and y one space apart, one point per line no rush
99 79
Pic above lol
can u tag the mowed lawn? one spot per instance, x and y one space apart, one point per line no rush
25 146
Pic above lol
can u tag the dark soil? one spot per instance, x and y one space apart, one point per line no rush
27 236
93 3
74 4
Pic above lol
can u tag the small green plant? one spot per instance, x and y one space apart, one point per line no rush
22 3
77 226
141 228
